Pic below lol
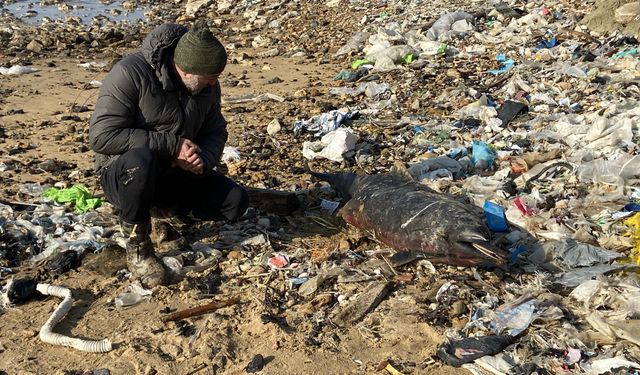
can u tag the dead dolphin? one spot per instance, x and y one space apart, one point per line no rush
414 219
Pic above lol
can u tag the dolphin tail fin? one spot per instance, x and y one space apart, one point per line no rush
341 182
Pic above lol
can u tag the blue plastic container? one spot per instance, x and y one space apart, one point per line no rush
494 214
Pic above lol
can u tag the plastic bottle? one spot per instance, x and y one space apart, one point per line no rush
132 295
34 190
127 299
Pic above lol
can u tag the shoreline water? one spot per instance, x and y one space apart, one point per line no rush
33 13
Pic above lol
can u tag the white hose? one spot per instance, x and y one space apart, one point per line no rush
50 337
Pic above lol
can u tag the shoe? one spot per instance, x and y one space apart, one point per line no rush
164 235
141 258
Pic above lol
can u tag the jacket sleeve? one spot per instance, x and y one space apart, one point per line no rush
213 135
115 128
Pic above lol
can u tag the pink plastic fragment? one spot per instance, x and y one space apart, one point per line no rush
524 209
278 261
573 355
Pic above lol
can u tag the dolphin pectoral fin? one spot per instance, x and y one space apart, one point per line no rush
405 257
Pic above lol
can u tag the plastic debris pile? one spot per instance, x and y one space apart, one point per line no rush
516 108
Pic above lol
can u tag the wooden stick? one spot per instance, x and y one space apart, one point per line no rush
200 310
201 367
253 276
17 203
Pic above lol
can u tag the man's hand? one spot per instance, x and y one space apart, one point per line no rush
188 158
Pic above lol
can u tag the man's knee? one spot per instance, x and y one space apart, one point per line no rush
138 165
236 203
139 157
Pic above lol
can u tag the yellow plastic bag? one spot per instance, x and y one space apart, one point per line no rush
634 223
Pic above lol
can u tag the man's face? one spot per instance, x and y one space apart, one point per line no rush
196 83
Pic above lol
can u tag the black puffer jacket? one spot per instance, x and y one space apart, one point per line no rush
143 104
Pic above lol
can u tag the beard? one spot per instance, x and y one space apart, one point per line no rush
192 84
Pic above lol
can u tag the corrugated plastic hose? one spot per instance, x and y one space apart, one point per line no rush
50 337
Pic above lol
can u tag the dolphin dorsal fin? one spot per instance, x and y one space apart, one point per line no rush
398 169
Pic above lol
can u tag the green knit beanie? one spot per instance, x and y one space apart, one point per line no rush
199 52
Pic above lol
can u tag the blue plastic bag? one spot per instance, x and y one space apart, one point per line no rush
482 155
507 64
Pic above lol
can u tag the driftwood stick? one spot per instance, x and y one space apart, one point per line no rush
200 310
17 203
365 303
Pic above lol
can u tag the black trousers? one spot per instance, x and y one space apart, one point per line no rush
138 180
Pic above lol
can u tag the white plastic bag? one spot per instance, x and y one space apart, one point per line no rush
332 145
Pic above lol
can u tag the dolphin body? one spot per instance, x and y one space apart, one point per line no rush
415 220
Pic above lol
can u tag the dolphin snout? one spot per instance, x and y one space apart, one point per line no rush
480 252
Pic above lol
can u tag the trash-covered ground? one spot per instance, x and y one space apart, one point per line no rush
516 109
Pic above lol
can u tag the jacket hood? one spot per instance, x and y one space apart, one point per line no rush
157 49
